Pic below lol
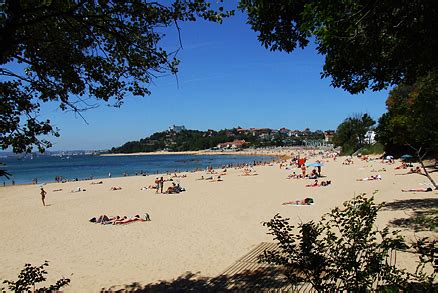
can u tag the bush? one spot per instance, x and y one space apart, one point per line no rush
373 149
31 275
345 252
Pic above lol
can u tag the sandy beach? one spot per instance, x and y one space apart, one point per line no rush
202 230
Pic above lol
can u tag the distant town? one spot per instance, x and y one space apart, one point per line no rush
179 138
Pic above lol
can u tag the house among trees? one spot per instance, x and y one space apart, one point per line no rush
328 135
241 130
236 144
284 131
260 131
370 137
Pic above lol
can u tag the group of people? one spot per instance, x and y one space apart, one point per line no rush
117 220
174 188
159 186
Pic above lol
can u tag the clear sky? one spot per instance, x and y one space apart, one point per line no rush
226 79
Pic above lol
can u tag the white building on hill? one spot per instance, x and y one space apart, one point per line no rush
176 128
370 137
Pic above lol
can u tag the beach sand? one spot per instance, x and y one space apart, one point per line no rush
203 230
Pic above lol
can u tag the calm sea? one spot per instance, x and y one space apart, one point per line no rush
46 168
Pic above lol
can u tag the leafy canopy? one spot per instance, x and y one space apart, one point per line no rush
79 52
366 44
412 117
350 134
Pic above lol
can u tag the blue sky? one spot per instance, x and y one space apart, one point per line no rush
226 79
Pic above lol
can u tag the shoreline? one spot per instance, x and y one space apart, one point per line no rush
256 153
280 152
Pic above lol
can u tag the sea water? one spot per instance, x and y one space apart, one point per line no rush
46 168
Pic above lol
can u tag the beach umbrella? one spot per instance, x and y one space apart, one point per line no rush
314 165
406 157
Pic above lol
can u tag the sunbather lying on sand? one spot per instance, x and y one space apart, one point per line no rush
78 189
127 220
315 184
402 166
372 177
218 179
306 201
174 189
326 183
417 170
323 183
419 189
98 182
104 219
116 188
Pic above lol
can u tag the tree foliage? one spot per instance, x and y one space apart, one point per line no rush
350 134
366 44
30 276
345 252
411 121
79 52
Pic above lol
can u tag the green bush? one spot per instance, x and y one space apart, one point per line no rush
346 252
373 149
31 275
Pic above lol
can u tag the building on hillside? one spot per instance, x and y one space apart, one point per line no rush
236 144
176 128
260 131
241 130
284 131
295 133
370 137
328 135
266 136
306 132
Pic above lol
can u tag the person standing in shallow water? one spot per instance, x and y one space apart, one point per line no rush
43 196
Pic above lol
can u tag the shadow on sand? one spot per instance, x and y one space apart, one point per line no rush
263 279
423 213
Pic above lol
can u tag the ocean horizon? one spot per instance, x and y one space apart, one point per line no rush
44 169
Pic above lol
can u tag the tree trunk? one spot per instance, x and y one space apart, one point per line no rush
420 160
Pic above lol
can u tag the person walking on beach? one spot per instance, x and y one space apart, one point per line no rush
161 184
43 196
